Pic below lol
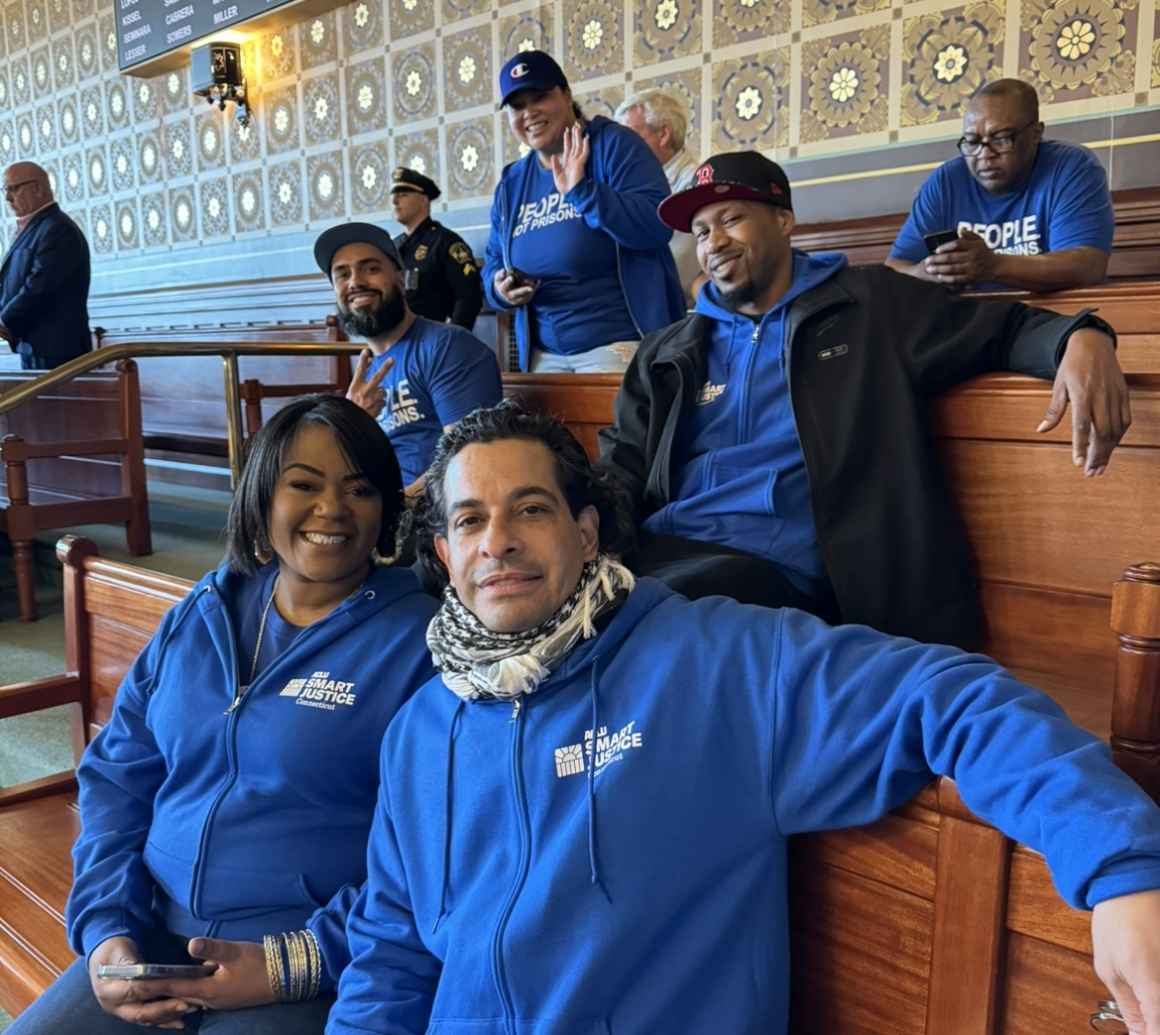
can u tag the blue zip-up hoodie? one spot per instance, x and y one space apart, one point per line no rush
237 823
519 884
622 186
739 473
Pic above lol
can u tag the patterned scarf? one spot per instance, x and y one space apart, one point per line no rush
478 663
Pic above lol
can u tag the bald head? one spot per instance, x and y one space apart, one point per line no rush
26 187
1020 95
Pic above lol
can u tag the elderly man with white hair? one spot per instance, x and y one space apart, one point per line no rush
661 120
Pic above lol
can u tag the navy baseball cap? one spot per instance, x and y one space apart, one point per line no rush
745 175
529 70
330 241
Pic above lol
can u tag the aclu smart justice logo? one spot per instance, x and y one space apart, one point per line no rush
320 691
603 749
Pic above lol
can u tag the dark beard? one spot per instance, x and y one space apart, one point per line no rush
376 321
738 296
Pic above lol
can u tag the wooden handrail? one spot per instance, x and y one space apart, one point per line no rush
229 351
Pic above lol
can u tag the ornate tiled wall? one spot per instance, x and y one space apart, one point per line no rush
341 99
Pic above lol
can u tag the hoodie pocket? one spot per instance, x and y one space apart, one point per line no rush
751 489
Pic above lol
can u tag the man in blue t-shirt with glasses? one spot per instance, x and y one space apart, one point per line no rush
1014 211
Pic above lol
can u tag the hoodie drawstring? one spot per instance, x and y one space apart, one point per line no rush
593 857
447 804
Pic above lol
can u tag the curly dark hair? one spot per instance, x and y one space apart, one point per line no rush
367 449
581 484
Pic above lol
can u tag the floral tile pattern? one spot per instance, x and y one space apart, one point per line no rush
471 171
407 17
366 103
209 131
122 164
666 29
280 114
214 206
468 79
249 203
182 215
751 102
278 54
324 174
339 100
101 229
952 54
371 178
128 226
593 39
318 41
531 30
420 151
1075 48
413 82
819 12
286 203
845 80
362 25
740 21
321 109
154 219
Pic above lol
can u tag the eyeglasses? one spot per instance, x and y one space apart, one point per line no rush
1001 143
12 188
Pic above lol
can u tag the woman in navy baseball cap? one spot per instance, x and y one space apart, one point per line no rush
576 249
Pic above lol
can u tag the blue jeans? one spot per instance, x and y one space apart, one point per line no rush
68 1007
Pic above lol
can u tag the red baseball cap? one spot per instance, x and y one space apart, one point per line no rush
746 175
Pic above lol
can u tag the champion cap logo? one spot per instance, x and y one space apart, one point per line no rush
519 71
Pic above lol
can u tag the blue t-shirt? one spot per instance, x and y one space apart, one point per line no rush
246 611
1063 204
441 374
740 477
579 304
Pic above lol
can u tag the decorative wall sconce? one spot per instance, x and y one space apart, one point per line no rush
216 74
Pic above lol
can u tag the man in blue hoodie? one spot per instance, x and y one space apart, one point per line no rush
775 443
582 823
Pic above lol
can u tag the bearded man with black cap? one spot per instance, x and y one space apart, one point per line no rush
439 271
416 377
775 442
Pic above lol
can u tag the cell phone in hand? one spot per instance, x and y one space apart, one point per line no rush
938 239
520 278
145 971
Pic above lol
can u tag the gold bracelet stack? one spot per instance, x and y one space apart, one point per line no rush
293 965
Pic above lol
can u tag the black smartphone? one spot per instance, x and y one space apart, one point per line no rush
144 971
520 278
936 240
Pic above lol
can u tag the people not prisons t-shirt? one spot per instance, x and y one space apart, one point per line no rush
1064 204
579 303
441 374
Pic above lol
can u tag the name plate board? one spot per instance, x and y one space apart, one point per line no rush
155 36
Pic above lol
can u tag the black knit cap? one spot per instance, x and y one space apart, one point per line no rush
745 175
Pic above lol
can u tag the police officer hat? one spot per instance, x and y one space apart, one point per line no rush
408 179
330 241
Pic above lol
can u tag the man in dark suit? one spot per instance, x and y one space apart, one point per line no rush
44 279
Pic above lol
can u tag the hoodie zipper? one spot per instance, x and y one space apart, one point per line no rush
501 982
233 715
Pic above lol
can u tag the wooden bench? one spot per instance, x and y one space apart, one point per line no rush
73 457
926 922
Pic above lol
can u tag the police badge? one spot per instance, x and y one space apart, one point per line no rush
421 253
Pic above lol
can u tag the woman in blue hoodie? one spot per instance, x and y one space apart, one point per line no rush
576 248
226 804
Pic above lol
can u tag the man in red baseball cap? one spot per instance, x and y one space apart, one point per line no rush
774 443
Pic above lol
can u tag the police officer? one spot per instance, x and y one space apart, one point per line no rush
441 277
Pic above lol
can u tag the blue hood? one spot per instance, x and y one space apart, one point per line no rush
809 270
